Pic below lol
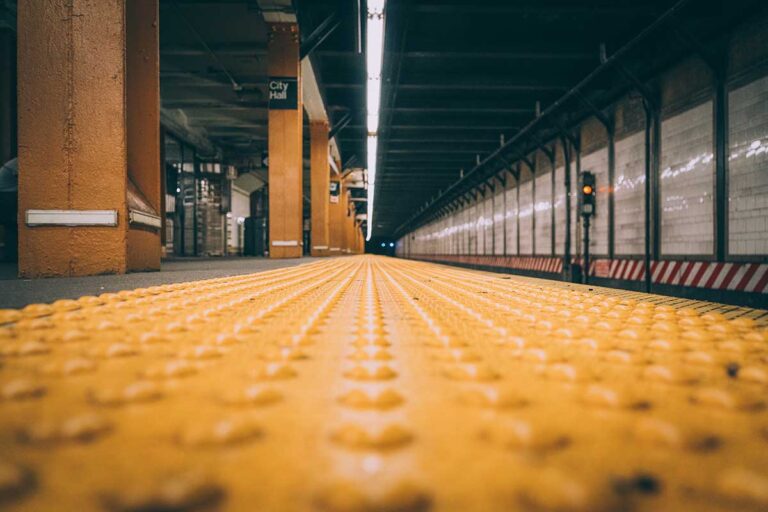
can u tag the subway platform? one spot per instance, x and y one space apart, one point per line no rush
375 384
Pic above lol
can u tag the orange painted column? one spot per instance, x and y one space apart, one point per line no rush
285 142
73 138
336 216
320 188
143 128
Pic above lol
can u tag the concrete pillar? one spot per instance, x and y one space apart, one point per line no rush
143 130
73 137
285 147
320 185
336 216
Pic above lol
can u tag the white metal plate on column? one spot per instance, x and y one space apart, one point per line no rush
144 219
72 218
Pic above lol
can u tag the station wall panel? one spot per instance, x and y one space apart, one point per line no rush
498 222
559 206
467 236
597 163
525 215
575 218
480 227
488 224
748 169
629 195
543 211
510 215
472 228
687 182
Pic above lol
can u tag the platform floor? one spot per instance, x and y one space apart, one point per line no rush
380 385
16 293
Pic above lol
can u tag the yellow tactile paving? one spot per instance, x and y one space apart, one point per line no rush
379 385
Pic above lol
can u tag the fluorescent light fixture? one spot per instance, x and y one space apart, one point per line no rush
373 143
374 58
373 95
373 123
375 49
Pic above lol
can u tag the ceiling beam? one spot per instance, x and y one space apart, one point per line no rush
501 55
495 84
242 49
320 34
433 151
461 110
563 8
469 127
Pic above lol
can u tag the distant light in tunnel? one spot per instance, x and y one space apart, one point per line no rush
391 244
374 55
383 244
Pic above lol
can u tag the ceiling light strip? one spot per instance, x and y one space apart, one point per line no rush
374 56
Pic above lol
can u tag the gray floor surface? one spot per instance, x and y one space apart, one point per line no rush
16 293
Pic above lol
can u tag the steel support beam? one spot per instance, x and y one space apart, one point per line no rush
338 127
320 34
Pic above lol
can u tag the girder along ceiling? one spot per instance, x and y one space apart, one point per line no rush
459 76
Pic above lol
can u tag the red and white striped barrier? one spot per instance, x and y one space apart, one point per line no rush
741 277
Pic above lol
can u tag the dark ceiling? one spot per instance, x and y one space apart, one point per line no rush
213 69
458 76
461 74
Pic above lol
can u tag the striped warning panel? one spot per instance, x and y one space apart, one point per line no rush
741 277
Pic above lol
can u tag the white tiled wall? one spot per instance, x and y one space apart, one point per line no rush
498 221
597 163
472 228
687 182
543 211
559 207
748 169
687 189
480 225
510 214
465 244
488 225
526 217
629 195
